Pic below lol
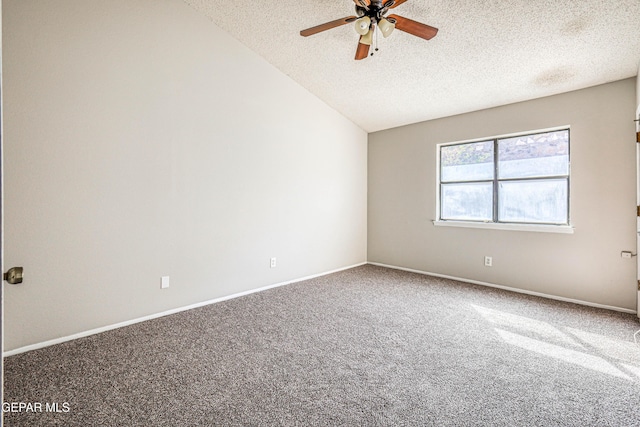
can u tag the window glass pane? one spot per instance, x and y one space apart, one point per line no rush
466 162
534 201
469 201
543 154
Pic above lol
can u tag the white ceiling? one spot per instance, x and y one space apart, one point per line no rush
487 53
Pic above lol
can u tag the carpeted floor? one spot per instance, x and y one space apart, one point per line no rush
364 347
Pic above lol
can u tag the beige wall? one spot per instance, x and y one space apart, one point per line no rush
141 141
585 266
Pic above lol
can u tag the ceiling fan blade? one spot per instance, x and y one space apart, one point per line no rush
397 3
362 51
364 3
415 28
327 26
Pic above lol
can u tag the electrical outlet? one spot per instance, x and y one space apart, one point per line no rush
273 262
488 261
164 282
626 254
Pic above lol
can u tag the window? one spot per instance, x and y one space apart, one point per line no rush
520 179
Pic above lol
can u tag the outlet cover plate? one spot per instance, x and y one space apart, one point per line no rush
164 282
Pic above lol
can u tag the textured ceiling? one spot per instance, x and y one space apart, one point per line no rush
486 53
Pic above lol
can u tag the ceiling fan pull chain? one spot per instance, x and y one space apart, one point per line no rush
375 38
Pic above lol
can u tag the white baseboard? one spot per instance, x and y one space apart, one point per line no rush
507 288
165 313
264 288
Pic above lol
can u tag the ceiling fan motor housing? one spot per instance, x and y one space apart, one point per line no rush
375 10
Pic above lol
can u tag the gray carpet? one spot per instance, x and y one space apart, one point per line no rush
364 347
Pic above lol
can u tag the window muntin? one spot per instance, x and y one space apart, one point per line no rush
517 179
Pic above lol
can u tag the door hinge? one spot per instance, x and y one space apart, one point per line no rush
637 136
638 211
639 285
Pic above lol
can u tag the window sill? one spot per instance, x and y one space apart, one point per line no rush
542 228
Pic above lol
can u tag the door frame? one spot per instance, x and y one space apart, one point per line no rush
638 202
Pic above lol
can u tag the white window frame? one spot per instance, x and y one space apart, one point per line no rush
545 228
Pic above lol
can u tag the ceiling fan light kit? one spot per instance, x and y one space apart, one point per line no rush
367 38
362 25
370 13
386 27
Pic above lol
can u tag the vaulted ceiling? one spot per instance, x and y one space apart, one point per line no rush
486 53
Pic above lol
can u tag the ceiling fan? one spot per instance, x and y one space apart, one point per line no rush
369 14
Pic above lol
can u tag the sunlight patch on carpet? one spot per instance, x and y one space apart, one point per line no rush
557 352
